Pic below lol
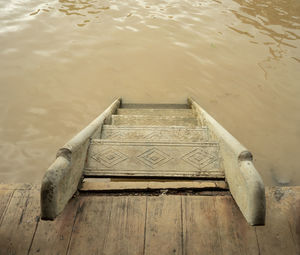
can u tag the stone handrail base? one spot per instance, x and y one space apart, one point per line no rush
245 183
61 180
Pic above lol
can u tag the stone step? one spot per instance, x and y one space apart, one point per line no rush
157 112
155 133
156 106
153 159
144 120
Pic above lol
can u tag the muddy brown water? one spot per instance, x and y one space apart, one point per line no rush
63 62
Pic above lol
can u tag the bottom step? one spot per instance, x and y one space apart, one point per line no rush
93 185
154 159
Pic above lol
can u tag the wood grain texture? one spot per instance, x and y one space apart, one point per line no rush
17 186
276 237
50 234
164 224
109 225
163 233
126 232
237 236
200 226
19 222
293 215
5 197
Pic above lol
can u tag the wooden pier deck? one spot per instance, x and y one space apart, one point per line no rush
144 224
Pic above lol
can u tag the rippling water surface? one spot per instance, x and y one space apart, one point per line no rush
63 62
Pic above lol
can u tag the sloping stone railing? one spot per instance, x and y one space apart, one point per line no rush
245 183
61 180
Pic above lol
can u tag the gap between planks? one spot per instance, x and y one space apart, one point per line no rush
144 185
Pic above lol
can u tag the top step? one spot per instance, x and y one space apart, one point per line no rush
155 106
156 112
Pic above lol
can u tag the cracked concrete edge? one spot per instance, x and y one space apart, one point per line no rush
245 183
61 180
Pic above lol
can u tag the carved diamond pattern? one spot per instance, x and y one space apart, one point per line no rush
113 135
199 158
151 135
154 158
109 157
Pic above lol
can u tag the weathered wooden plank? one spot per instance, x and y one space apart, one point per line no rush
116 225
110 186
296 227
237 237
109 225
126 232
200 226
19 222
17 186
293 214
276 236
91 225
6 192
163 233
52 237
5 197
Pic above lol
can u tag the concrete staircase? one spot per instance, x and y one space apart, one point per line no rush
159 148
154 141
